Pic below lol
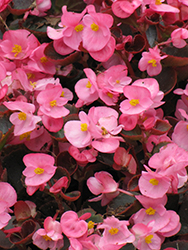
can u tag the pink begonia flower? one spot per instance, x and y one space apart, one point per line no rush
39 169
18 44
59 184
139 100
128 121
146 237
180 135
3 92
8 198
178 37
3 71
109 97
84 157
96 33
159 6
49 237
24 121
104 183
3 4
86 88
125 8
39 62
153 86
78 132
150 61
52 102
154 185
156 139
105 129
41 7
72 226
114 78
115 232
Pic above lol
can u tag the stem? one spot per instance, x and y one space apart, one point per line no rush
7 28
125 192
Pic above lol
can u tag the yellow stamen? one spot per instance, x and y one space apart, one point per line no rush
118 81
187 127
104 131
150 211
148 239
33 84
84 127
22 116
113 230
46 237
158 2
154 182
153 62
53 103
25 135
90 224
88 85
30 75
134 102
39 170
94 27
43 59
62 94
79 27
16 49
110 95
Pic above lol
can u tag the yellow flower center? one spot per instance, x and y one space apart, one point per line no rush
39 170
53 103
33 84
62 94
153 62
187 127
158 2
46 237
22 116
25 135
94 27
30 75
113 230
43 59
90 224
110 95
84 127
79 27
16 49
104 131
150 211
154 182
88 85
118 81
148 239
134 102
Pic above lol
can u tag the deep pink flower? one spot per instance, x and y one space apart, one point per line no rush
178 37
125 8
3 4
59 184
150 61
18 44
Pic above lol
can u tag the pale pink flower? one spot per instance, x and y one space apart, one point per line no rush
52 102
125 8
18 44
49 237
159 6
8 198
115 232
150 61
41 7
59 184
96 33
104 183
39 169
72 226
139 100
24 120
178 37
